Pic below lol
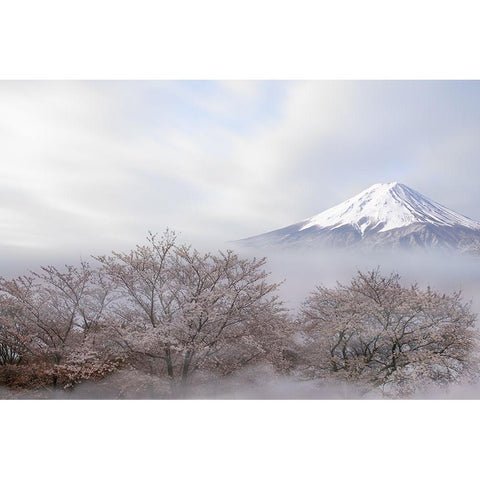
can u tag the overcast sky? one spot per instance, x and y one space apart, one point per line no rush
95 165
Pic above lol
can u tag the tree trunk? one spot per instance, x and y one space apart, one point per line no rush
168 361
186 365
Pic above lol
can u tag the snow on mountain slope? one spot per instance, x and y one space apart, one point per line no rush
386 215
388 206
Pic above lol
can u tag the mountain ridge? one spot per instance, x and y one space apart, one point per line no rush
385 215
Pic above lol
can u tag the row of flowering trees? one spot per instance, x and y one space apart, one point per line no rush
169 311
163 308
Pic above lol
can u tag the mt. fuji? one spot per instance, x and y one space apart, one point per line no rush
385 216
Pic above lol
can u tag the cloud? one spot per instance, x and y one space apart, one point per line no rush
97 164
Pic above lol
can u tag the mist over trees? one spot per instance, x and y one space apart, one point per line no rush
179 311
165 311
378 333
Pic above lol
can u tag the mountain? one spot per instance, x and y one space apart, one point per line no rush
384 216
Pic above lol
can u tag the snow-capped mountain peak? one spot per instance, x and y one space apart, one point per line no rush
384 216
386 206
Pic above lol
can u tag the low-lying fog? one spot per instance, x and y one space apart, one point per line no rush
303 270
300 272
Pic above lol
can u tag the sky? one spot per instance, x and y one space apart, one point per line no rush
88 166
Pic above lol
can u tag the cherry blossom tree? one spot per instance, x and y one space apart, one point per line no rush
15 338
52 319
379 333
163 308
180 311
